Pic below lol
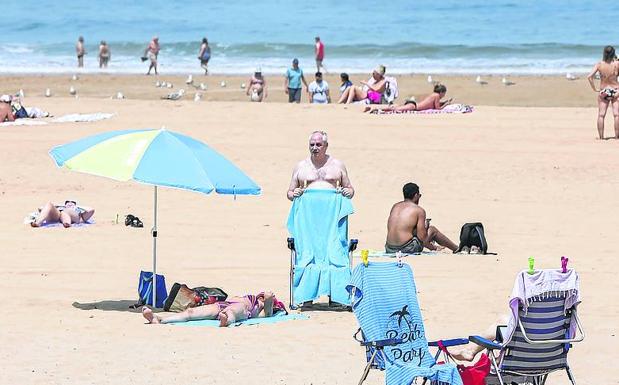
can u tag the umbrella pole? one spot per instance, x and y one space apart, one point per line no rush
154 232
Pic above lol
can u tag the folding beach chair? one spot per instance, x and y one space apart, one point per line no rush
352 246
542 334
320 250
384 301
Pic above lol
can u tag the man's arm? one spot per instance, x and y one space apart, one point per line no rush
294 189
347 189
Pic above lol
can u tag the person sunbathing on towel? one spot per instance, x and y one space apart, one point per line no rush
372 89
431 102
66 214
408 230
227 312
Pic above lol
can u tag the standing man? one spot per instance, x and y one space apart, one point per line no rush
292 85
152 52
80 51
320 170
318 90
408 230
319 53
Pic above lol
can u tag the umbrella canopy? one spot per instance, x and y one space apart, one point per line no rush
155 157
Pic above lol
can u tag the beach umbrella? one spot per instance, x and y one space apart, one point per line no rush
158 158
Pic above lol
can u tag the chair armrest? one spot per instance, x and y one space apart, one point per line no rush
352 245
290 243
450 342
481 341
382 343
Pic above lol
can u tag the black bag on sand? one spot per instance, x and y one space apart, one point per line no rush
472 234
182 297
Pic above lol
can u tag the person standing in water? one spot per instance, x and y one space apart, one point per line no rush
608 93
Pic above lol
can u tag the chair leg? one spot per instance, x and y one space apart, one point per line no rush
570 375
367 367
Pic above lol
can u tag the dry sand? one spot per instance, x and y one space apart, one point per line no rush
536 177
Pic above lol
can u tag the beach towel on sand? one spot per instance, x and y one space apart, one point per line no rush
277 317
449 109
318 221
384 300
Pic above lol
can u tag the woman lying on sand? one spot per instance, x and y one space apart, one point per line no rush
608 69
227 312
432 102
68 214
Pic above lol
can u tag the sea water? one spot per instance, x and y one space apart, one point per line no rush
407 36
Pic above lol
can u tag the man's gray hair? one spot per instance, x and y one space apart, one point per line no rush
324 136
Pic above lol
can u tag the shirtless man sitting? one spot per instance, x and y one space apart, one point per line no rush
319 171
408 230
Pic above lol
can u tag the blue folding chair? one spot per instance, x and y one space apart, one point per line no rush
384 301
539 344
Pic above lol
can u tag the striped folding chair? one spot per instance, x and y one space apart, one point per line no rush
538 346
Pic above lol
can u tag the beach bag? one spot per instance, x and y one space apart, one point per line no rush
145 289
472 234
182 297
474 374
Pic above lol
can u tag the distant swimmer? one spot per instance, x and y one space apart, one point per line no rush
80 51
319 54
608 93
152 52
204 55
104 54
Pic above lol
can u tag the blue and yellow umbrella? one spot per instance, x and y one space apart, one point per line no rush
155 157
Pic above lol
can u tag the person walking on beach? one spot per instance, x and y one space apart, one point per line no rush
104 54
292 85
152 52
318 90
80 51
608 93
204 55
319 53
319 170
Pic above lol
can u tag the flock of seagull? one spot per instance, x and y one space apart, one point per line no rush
203 87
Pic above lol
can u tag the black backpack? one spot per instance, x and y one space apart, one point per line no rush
472 234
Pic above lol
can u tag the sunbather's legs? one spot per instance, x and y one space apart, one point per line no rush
435 235
602 107
48 213
191 314
233 313
469 351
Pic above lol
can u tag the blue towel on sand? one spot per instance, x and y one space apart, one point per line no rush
278 317
318 222
384 300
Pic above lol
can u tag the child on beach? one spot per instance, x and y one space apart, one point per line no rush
432 102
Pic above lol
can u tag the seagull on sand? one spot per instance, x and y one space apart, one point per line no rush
507 82
479 80
174 95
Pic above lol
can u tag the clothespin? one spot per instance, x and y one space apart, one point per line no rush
398 255
564 261
531 265
365 253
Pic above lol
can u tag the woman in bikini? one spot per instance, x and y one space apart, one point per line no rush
227 312
257 86
372 89
608 69
431 102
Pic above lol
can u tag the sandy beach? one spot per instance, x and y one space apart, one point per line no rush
525 163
